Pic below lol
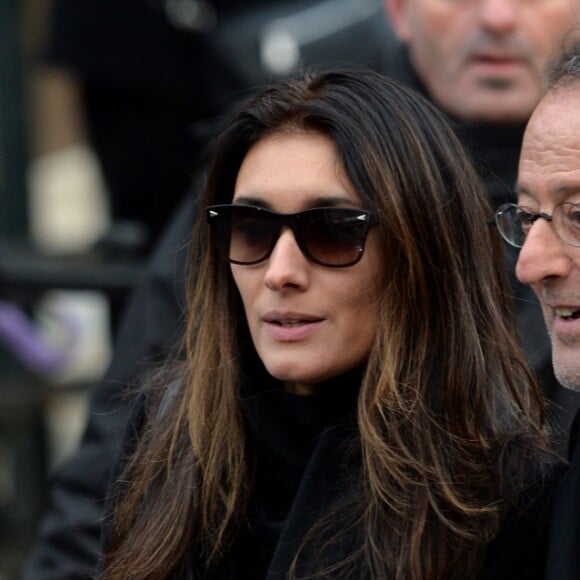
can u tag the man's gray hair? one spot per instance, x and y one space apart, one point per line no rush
566 68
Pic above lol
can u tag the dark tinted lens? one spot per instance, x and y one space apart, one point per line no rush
253 233
243 234
334 237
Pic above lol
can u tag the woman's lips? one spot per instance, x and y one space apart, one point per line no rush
291 327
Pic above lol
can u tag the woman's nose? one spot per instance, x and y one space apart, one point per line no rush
543 255
287 267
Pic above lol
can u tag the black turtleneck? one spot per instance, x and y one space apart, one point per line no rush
494 148
283 430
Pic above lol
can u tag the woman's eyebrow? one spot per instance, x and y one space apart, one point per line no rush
249 200
319 200
332 201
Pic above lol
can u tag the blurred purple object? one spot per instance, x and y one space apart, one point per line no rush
22 338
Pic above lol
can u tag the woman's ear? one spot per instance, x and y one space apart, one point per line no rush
398 16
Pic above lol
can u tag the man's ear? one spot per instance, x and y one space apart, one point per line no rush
398 15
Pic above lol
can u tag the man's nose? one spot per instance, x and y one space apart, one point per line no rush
499 16
543 255
287 266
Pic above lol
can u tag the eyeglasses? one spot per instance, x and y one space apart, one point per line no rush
333 237
514 222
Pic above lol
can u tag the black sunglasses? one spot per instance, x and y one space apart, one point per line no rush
329 236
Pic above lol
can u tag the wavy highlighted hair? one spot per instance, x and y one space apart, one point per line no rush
449 415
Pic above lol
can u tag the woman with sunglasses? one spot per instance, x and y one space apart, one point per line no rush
352 402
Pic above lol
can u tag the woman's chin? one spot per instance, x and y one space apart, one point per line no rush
295 378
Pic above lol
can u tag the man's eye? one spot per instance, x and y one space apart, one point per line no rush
525 217
574 217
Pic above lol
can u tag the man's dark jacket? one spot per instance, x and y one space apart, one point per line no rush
564 548
68 543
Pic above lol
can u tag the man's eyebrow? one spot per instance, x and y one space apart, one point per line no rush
566 190
559 192
519 189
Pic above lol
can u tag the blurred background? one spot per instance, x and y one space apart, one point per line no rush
105 109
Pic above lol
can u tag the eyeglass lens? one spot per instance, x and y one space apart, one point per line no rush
515 222
333 237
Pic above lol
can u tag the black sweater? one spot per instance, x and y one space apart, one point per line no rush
284 429
307 463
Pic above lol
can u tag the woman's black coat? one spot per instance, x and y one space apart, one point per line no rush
315 473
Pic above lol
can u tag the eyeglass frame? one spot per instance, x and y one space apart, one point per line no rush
291 221
531 219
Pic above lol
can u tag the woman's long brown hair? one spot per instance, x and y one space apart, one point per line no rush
450 417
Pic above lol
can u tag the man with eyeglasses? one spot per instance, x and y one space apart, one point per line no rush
545 224
481 62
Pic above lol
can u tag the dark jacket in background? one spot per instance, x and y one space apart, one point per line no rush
564 546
